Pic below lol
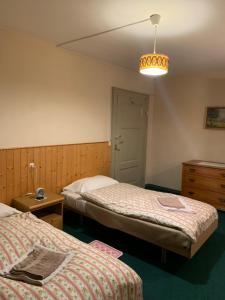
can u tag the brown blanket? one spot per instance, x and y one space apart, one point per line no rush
39 266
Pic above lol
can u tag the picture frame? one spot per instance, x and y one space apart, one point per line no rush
215 117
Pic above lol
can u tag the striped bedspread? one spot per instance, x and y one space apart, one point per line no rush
136 202
91 274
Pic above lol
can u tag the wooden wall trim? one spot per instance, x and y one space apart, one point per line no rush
25 147
56 166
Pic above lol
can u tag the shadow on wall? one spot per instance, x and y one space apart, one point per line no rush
167 178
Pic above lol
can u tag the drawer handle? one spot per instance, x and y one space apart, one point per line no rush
223 186
221 200
193 170
193 180
191 193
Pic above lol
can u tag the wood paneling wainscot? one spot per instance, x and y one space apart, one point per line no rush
55 167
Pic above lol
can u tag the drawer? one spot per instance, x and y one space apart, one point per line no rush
203 171
215 199
53 219
206 183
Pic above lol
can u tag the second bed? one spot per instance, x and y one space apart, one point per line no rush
138 212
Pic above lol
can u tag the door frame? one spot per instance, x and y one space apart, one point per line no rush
113 126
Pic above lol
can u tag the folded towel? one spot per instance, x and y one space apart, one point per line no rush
174 204
170 202
39 265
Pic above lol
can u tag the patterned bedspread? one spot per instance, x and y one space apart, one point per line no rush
91 274
136 202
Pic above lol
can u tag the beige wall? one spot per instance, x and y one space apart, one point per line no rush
178 132
52 96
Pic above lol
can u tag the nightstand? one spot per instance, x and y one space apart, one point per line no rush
49 210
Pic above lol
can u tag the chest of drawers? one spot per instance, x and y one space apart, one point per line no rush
204 181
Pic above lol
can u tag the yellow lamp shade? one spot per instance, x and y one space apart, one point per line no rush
153 64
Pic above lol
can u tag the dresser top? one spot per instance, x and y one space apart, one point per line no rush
207 164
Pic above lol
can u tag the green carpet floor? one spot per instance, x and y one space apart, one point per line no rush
201 278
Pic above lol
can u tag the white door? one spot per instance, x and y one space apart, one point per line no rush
129 134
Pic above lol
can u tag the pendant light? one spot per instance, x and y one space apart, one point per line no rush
154 64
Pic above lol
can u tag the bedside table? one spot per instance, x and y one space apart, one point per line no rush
49 210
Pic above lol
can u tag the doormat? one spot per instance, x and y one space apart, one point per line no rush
106 248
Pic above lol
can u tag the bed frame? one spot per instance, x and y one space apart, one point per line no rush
165 237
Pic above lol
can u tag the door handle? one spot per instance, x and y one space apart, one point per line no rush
116 148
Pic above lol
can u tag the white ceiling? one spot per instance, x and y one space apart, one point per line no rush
191 32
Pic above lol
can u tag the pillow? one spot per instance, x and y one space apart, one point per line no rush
89 183
6 211
75 186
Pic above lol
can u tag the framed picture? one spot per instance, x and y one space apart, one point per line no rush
215 117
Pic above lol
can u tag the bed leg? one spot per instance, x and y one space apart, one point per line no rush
81 220
163 256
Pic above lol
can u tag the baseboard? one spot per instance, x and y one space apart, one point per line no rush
159 188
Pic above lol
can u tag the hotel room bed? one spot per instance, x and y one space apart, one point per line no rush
90 274
135 211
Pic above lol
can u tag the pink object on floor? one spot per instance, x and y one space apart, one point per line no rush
106 248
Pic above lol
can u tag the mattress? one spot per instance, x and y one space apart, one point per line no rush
74 201
162 236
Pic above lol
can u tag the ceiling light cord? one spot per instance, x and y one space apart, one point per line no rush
156 27
100 33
